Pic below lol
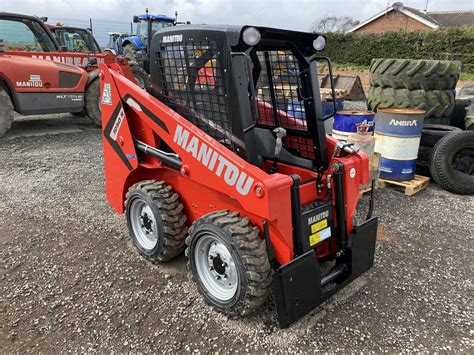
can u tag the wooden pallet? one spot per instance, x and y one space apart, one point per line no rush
365 190
411 187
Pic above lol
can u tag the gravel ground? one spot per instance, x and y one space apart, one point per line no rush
71 281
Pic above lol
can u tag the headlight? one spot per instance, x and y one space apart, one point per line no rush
251 36
319 43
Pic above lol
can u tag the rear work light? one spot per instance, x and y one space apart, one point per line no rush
251 36
319 43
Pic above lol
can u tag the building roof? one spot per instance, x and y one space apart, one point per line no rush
447 18
433 19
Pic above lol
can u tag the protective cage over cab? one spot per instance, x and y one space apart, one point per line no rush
265 167
207 74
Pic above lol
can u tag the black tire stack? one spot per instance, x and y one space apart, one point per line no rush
446 154
424 84
431 134
452 162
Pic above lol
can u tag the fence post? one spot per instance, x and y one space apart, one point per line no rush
90 22
131 27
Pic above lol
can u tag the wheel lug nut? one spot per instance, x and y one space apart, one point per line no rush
211 268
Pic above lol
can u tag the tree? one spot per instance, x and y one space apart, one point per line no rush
334 24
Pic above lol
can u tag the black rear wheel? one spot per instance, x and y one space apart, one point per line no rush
229 262
130 53
156 220
141 76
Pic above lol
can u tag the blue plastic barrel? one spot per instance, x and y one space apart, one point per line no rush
345 123
296 108
397 139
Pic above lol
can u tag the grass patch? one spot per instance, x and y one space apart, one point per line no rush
466 76
350 66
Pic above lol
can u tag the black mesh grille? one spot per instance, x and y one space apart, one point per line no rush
193 85
280 99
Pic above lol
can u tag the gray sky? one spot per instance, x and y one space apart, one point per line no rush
291 14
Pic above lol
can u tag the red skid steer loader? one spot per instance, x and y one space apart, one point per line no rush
213 161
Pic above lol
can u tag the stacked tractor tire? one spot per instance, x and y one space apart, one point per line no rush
428 85
446 153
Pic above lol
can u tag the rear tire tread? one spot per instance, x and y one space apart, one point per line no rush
172 215
438 104
415 74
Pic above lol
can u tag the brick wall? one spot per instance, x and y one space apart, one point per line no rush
393 21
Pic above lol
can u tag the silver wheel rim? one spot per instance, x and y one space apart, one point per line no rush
216 267
143 224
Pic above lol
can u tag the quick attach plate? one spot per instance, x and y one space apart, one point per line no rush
297 285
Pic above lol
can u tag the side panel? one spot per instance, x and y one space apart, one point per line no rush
38 86
51 102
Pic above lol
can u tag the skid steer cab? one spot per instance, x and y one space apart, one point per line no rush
213 161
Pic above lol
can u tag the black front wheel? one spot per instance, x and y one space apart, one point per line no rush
229 262
92 102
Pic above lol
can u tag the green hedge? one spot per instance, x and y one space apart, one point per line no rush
360 48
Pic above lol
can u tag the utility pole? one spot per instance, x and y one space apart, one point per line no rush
426 6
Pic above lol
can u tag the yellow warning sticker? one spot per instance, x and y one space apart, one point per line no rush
318 226
319 236
314 239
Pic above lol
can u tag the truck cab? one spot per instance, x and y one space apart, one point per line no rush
77 40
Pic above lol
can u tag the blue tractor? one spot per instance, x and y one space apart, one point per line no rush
135 47
116 39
